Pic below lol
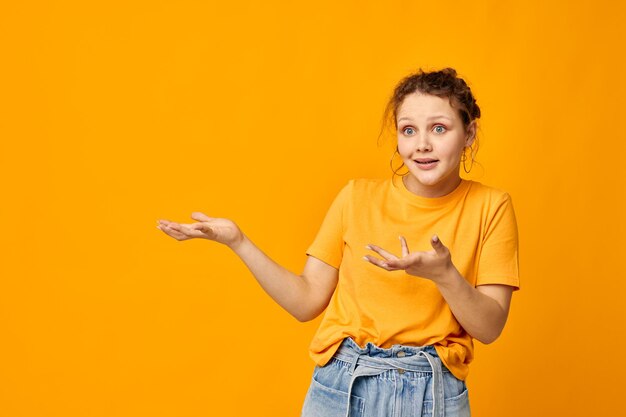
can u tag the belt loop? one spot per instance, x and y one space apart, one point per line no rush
438 394
353 353
355 359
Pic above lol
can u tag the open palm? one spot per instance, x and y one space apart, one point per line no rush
218 229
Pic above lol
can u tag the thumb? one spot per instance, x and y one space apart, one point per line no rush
202 227
438 246
201 217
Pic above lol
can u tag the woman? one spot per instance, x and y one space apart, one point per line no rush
397 336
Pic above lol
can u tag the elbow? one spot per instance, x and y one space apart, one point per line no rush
308 314
303 319
305 316
310 309
491 331
489 338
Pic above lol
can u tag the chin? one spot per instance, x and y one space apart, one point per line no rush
433 179
429 180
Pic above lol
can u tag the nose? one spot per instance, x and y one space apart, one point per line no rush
423 144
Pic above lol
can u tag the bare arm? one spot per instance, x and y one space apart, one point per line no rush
481 311
304 296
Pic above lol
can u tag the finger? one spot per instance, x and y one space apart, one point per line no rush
183 229
412 260
203 228
405 247
201 217
395 264
438 246
170 232
167 223
378 262
381 252
173 225
192 230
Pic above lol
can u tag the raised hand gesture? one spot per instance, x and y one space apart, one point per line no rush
434 265
220 230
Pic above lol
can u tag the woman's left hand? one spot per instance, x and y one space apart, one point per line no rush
434 265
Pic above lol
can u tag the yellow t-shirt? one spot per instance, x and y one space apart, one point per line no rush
477 224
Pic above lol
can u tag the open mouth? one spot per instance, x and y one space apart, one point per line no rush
426 161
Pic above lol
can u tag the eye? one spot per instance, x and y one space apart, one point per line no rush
408 130
441 128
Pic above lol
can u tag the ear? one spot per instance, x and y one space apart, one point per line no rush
471 133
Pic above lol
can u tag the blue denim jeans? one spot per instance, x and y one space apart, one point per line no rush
375 382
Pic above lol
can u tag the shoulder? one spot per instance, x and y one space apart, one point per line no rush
489 195
357 188
495 207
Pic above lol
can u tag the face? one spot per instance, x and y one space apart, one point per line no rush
431 138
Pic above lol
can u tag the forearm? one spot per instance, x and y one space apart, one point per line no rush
480 315
286 288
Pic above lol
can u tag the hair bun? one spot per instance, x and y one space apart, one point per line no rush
442 83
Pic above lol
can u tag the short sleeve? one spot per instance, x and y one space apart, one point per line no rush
329 243
499 259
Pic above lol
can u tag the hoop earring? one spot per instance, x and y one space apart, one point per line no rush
395 171
464 159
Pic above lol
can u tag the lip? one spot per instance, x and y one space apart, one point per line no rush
421 163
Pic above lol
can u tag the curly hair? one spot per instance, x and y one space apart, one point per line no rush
442 83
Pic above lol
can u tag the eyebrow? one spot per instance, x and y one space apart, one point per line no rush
439 116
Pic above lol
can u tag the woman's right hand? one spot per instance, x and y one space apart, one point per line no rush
220 230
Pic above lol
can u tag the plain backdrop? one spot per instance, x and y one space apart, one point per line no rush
114 114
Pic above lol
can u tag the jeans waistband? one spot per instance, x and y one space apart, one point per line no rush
373 360
398 356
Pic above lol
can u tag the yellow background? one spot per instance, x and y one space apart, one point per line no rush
114 114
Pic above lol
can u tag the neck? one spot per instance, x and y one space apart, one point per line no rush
431 191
